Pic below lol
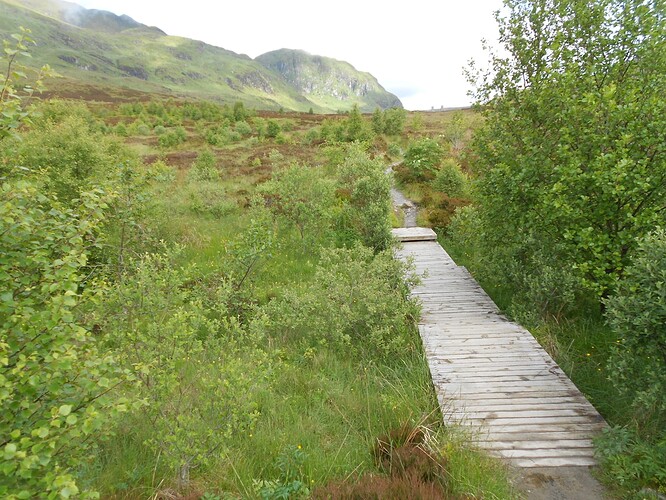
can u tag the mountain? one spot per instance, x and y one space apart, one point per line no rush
328 82
104 56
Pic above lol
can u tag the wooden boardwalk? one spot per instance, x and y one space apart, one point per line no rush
491 374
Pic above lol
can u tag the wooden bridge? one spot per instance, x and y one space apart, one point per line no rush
491 374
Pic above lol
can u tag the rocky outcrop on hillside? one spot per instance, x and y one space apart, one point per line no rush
321 78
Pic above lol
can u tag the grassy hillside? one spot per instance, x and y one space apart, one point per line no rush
328 82
97 48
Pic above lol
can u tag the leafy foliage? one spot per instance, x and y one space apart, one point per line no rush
291 482
570 166
365 189
394 121
357 301
633 462
301 196
423 157
16 90
637 313
74 157
450 180
191 366
55 385
205 167
356 128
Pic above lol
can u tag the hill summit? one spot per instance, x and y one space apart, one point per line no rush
326 81
96 49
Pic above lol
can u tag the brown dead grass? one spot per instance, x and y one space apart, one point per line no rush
410 470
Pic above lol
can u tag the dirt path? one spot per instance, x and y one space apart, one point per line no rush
402 203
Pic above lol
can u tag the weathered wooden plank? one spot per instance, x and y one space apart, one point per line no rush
537 445
537 394
414 234
590 428
524 413
554 462
527 438
546 453
490 374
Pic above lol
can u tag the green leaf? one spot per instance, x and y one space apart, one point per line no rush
65 410
42 432
10 451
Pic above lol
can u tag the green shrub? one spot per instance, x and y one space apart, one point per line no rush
310 136
287 125
356 128
57 393
283 139
260 126
73 157
243 128
394 150
272 128
423 157
173 137
121 129
142 129
377 121
209 198
204 167
301 196
192 368
222 135
633 462
394 121
358 301
538 285
637 313
364 192
450 180
332 131
240 113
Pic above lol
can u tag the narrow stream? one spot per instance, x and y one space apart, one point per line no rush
405 205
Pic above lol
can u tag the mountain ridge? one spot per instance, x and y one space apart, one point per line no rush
320 78
98 48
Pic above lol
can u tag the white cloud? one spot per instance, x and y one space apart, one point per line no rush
421 46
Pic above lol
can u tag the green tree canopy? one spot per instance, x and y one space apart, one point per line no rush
572 157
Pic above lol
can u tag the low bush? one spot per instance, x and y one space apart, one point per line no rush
358 301
57 390
450 180
191 366
364 192
637 313
204 167
423 157
209 198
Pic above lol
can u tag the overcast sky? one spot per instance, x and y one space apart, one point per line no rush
416 49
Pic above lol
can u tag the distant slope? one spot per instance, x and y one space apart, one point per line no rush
100 49
329 82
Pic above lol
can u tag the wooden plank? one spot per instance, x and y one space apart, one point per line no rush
526 438
491 376
547 453
591 428
523 413
554 462
537 445
414 234
520 404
